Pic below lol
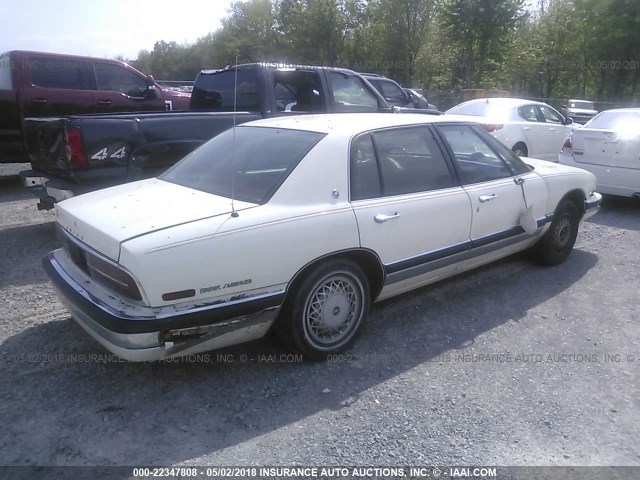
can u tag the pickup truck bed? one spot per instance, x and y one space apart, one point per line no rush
88 152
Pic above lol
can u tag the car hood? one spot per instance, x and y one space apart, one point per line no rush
546 168
104 219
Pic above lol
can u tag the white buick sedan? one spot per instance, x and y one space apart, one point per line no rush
609 147
529 129
299 224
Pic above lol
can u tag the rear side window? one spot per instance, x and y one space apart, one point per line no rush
214 91
6 68
397 162
250 163
298 91
115 78
61 73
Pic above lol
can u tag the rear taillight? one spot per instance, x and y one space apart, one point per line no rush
492 127
75 153
112 277
567 148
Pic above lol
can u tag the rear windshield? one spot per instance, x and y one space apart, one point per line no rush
615 121
252 165
213 92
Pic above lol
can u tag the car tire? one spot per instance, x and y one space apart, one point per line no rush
520 149
558 241
325 310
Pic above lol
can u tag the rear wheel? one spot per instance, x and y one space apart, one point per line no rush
558 241
520 149
326 310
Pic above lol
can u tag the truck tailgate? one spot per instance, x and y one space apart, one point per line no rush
46 145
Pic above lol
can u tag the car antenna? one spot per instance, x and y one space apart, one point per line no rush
234 214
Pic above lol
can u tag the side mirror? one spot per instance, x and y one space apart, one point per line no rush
568 121
152 93
150 80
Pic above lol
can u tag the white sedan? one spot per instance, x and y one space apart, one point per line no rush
609 147
532 129
300 223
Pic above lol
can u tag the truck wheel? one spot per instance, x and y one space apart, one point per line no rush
556 244
327 310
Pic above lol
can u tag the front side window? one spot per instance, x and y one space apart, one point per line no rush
528 112
398 161
57 73
391 91
550 115
248 164
114 78
351 95
477 161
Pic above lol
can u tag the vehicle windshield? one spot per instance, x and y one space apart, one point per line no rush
583 105
482 109
621 122
250 164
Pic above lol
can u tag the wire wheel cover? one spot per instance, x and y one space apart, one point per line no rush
333 309
562 232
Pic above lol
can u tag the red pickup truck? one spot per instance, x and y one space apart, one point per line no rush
36 84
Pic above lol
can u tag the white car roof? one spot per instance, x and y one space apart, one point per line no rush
504 102
349 124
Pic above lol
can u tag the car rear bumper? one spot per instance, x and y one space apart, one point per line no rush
148 334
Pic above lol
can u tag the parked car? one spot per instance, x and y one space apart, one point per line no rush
78 154
581 111
366 206
38 84
609 147
396 95
532 129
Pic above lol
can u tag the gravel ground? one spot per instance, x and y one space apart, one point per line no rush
512 364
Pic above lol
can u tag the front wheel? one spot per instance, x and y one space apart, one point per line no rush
558 241
326 310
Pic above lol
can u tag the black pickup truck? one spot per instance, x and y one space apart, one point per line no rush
75 154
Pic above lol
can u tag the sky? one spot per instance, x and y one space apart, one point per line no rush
105 28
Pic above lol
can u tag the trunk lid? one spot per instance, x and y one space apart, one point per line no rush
594 146
106 218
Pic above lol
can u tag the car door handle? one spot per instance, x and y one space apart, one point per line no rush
381 218
526 128
40 101
487 198
104 102
552 129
